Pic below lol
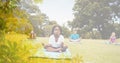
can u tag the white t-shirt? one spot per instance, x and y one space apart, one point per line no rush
54 43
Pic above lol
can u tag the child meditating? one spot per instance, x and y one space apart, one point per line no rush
112 38
75 37
56 41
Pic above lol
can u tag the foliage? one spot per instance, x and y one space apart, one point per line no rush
39 21
14 49
2 36
38 1
2 24
47 28
17 49
7 6
13 21
46 31
66 32
92 35
96 14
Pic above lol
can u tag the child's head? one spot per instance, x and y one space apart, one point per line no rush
32 31
75 31
56 30
113 34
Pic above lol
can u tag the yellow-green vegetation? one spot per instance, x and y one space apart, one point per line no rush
13 50
13 18
17 48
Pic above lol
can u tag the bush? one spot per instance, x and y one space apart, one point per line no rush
14 50
2 24
2 35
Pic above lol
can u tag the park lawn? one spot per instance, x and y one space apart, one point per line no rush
92 51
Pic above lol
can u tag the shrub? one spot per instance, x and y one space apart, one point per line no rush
15 49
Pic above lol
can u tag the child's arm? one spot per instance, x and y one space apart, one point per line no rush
62 44
110 38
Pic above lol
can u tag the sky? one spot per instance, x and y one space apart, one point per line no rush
58 10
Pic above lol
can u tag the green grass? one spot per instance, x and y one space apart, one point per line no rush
92 51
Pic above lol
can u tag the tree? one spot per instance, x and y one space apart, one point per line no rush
12 17
99 14
47 28
38 1
65 31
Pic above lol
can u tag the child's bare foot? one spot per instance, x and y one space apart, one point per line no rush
60 50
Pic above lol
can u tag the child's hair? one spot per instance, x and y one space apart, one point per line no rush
55 27
113 33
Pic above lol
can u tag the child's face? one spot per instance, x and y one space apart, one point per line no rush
56 31
113 34
75 32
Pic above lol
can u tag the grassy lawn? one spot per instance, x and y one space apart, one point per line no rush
92 51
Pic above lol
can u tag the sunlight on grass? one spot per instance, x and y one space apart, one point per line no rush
24 48
88 51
